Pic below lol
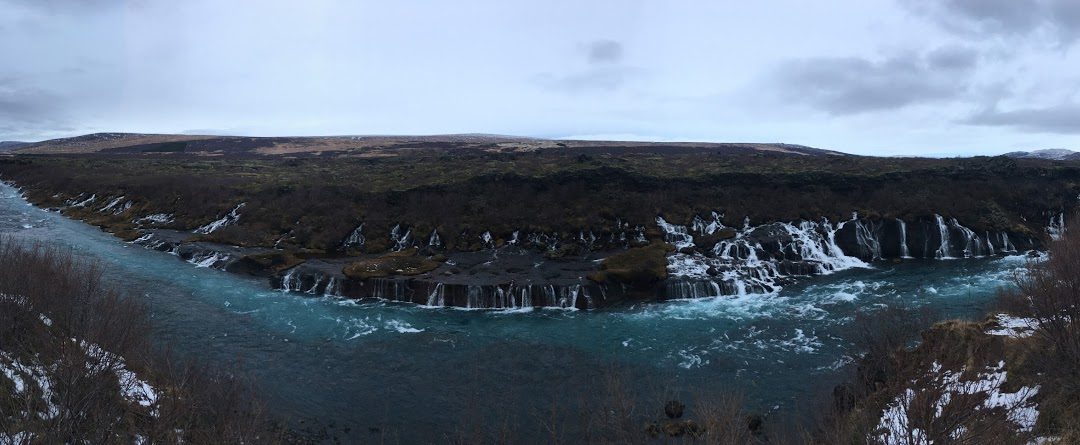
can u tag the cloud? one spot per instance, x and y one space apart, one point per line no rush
851 85
604 72
1059 19
605 51
1062 118
595 79
23 107
952 58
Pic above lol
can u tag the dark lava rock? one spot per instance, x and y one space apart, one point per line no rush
674 409
755 423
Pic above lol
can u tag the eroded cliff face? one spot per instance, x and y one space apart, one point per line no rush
575 233
701 259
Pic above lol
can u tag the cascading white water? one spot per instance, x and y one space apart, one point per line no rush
943 250
702 227
741 265
355 238
157 218
1056 227
904 252
288 279
401 241
208 260
437 297
434 240
75 203
587 240
315 286
112 204
230 218
473 297
972 244
333 287
865 236
674 234
1006 244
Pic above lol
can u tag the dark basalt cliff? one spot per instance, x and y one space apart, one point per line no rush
563 227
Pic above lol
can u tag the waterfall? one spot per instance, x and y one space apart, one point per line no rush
85 202
568 296
1056 227
674 234
157 218
208 260
388 289
333 288
1006 244
904 252
742 265
707 228
437 298
685 289
111 205
473 297
228 219
526 296
315 287
866 238
587 241
434 240
550 297
287 280
943 250
355 238
401 241
972 243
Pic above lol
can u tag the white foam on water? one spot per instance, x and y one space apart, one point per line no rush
401 327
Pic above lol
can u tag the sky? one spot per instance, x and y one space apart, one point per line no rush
876 77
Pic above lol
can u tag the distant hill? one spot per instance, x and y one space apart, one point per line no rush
1058 154
10 145
367 146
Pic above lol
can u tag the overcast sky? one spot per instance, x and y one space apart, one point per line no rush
928 77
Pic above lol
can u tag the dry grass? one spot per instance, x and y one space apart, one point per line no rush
194 404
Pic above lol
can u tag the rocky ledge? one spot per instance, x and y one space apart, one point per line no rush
702 258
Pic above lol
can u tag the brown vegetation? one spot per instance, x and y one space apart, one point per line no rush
1049 293
312 204
641 267
405 262
58 316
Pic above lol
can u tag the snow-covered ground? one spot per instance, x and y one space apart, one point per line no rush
902 424
32 379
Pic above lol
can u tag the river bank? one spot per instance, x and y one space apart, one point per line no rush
406 369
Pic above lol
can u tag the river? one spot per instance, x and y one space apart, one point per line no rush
358 369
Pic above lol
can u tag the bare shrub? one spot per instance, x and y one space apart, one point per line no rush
77 337
1049 293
